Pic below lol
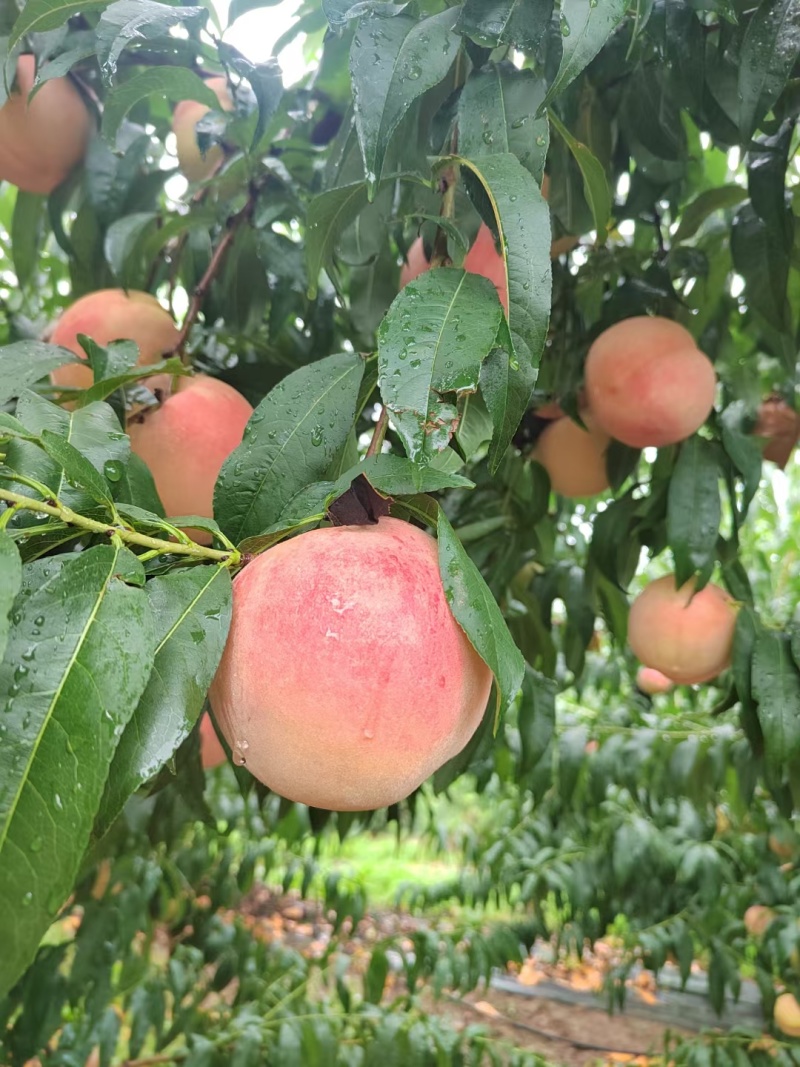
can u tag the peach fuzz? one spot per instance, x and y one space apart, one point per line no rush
112 315
195 166
687 636
574 458
346 681
42 141
647 382
186 440
653 682
787 1015
212 754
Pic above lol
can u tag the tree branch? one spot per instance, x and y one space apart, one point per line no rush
72 518
378 434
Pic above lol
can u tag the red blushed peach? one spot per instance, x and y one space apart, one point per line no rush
653 682
574 458
687 636
212 753
41 141
757 919
346 681
647 382
416 263
483 258
112 315
195 166
186 440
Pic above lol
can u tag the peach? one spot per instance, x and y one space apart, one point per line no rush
212 753
574 458
42 141
483 258
779 424
346 681
415 263
186 440
112 315
787 1015
647 382
651 681
195 166
757 919
687 636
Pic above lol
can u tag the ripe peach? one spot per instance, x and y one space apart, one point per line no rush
574 458
651 681
41 141
780 425
757 919
186 440
483 258
787 1015
687 636
346 681
416 263
197 167
112 315
212 753
647 382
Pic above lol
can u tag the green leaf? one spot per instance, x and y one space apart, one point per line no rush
595 184
266 81
26 231
77 662
769 51
122 241
585 28
432 341
40 15
478 615
704 204
776 687
522 218
398 476
192 612
340 12
77 468
93 430
497 113
507 392
131 21
693 510
174 83
329 214
292 438
103 387
537 720
26 362
501 22
375 977
393 61
10 579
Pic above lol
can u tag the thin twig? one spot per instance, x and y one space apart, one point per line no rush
201 289
72 518
379 433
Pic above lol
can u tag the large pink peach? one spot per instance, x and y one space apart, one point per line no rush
112 315
212 754
483 258
346 681
687 636
186 440
415 263
195 166
574 458
41 141
647 382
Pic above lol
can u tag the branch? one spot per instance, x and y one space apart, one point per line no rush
72 518
201 289
379 434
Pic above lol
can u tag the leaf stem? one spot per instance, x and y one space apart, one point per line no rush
72 518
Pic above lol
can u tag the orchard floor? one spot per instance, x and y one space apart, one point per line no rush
569 1033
